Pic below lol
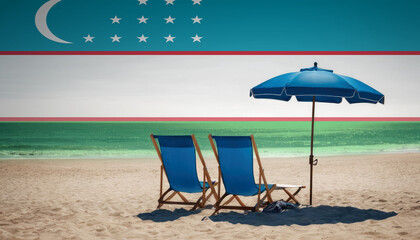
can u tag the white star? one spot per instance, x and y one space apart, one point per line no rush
196 20
169 2
196 38
142 38
115 20
142 19
169 20
169 38
197 2
142 2
88 38
115 38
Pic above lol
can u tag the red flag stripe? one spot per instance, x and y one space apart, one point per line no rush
198 119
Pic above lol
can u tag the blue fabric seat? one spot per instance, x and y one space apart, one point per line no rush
207 184
263 187
236 164
179 160
178 157
236 158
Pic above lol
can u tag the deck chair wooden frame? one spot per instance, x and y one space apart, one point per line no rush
260 200
291 196
203 198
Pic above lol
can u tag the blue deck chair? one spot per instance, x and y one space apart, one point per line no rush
235 158
178 158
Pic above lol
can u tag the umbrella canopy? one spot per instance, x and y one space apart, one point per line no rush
316 85
325 85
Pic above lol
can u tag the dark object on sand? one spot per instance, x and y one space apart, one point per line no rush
279 206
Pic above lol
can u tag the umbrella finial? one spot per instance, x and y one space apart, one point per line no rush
315 64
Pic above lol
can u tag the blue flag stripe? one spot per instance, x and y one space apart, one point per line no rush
235 25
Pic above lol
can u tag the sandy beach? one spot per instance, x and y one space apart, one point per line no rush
355 197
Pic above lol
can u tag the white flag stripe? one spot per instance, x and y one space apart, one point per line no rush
209 86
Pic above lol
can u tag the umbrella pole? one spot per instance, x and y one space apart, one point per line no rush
311 157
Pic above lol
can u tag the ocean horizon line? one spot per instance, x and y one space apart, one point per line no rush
201 119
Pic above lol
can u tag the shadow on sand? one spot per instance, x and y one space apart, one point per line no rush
163 215
304 216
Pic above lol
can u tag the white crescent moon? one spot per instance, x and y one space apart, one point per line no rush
41 21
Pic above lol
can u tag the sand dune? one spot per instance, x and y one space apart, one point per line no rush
356 197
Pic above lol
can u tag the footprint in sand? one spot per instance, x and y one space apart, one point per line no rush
372 233
116 214
153 232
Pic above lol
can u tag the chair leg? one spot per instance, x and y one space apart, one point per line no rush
229 200
292 196
182 197
206 198
199 203
217 204
170 196
161 198
204 188
261 202
256 207
237 199
163 201
270 190
240 201
212 193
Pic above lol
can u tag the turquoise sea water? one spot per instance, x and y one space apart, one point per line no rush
132 139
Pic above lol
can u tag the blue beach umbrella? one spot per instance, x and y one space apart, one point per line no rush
316 85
